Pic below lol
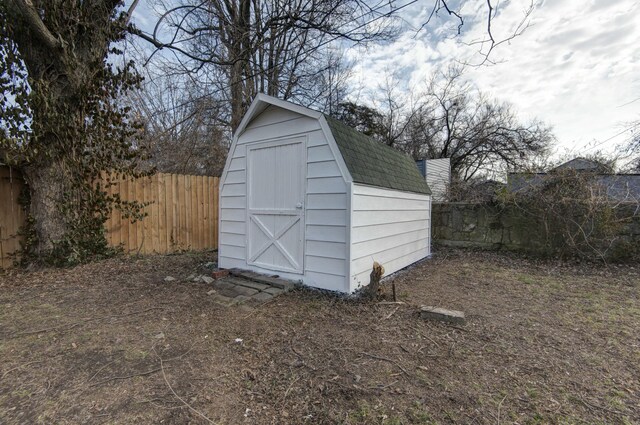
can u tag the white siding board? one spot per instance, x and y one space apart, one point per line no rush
235 176
320 153
379 192
233 189
233 201
332 266
321 185
316 139
294 127
238 163
233 214
362 278
240 152
325 281
370 218
232 239
372 203
236 227
225 262
331 201
386 256
326 233
376 246
327 217
272 115
236 252
323 169
327 249
368 233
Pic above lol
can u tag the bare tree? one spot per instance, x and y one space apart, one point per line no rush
453 119
184 129
265 46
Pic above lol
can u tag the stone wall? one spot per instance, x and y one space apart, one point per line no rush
493 227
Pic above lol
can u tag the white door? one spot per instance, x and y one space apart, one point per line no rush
276 173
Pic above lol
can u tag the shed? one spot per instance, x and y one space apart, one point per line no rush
308 198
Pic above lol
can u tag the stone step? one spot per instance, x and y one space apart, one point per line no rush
283 284
248 283
442 315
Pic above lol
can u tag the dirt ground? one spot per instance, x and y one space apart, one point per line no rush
113 342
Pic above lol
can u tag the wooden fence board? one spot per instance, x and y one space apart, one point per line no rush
182 213
11 214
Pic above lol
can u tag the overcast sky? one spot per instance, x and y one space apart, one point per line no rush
577 66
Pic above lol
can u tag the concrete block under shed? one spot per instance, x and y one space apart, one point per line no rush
442 315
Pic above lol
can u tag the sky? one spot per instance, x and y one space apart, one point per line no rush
576 66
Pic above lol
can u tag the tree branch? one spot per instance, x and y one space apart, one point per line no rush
26 11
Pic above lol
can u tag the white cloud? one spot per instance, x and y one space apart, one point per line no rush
577 67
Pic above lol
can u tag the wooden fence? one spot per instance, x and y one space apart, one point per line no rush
182 214
11 214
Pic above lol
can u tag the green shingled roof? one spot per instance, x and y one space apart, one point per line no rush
370 162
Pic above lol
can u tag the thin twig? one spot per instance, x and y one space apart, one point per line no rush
458 328
69 326
392 313
19 367
499 406
99 370
119 378
595 406
164 376
373 356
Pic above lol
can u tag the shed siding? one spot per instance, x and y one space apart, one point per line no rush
390 227
325 204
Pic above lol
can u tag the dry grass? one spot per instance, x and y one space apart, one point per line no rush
112 342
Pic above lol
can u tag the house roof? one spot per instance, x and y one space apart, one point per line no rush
583 164
373 163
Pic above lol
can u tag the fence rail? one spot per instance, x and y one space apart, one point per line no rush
182 214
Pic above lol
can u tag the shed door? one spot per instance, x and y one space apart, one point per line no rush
276 174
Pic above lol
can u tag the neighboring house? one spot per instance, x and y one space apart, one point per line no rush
437 173
308 198
618 187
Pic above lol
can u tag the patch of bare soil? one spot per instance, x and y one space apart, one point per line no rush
113 342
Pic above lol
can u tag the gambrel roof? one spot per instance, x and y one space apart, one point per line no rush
367 161
373 163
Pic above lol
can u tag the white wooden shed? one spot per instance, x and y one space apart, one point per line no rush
308 198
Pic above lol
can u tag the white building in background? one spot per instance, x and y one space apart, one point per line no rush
437 173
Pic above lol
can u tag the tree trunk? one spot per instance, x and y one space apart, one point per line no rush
47 187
